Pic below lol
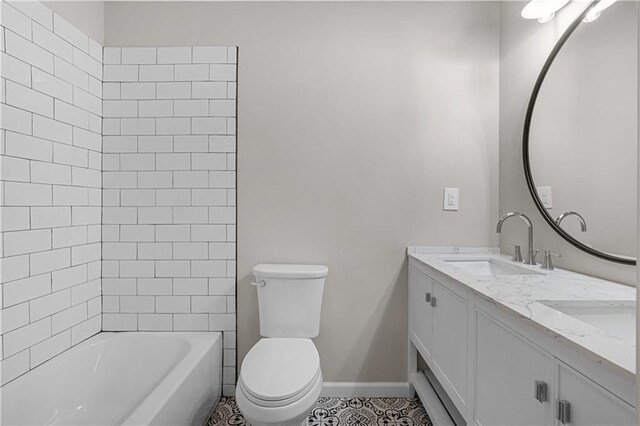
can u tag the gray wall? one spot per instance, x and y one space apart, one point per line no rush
524 46
352 118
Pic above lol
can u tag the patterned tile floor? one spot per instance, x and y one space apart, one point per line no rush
341 412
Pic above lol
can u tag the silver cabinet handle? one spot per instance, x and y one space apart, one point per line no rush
563 411
433 301
258 283
427 297
540 389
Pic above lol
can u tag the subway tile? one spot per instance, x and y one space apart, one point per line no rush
68 277
137 91
138 126
137 304
174 55
222 179
14 366
172 304
53 43
173 126
208 90
222 108
36 11
172 268
48 261
25 337
95 87
155 322
212 161
50 217
120 73
95 50
156 108
28 99
110 91
157 143
222 251
52 86
14 169
190 143
208 268
155 180
137 268
86 329
70 155
155 215
190 286
89 178
173 197
232 54
110 126
112 55
13 268
138 162
14 317
69 236
156 73
69 196
119 215
120 322
26 194
226 215
87 64
154 251
47 128
119 251
110 304
87 101
119 144
190 215
198 179
209 304
26 289
87 139
192 72
15 70
223 72
222 286
28 52
212 125
50 173
232 89
50 347
173 161
138 55
71 114
119 286
119 108
180 90
84 292
70 33
48 305
71 74
137 233
14 218
209 232
15 20
210 55
23 242
190 322
15 119
191 108
222 322
190 251
85 254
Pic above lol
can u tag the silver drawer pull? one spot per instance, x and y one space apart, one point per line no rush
540 391
258 283
563 412
427 297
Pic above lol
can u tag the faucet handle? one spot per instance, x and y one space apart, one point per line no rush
547 261
517 253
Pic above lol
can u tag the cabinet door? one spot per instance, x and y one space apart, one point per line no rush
589 403
507 368
449 351
420 321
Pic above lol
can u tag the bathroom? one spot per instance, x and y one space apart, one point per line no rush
160 157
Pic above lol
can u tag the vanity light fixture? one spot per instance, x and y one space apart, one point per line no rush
542 10
595 11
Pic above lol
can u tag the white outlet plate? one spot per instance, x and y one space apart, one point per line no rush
544 192
451 199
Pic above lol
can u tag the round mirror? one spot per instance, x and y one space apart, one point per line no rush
581 135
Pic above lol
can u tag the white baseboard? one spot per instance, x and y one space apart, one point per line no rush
365 389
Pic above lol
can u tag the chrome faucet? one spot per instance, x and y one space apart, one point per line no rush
531 256
583 223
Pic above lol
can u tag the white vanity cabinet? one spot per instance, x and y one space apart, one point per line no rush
438 325
498 368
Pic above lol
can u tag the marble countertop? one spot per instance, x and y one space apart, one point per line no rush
523 295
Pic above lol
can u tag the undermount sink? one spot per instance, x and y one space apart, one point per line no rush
490 268
617 318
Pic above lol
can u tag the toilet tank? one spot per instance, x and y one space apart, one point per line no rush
290 299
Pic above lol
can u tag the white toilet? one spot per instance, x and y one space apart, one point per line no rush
280 378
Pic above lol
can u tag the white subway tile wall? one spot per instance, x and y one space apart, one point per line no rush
169 218
50 214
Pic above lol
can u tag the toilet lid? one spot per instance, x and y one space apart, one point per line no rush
279 368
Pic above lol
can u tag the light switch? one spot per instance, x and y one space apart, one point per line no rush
451 197
544 192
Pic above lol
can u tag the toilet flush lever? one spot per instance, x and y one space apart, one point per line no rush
258 283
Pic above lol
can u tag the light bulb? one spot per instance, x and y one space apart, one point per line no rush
542 10
596 10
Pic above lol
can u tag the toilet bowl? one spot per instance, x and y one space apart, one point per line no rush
280 382
280 377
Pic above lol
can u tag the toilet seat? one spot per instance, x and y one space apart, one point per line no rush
279 371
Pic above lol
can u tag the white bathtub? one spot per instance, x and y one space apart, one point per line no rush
121 378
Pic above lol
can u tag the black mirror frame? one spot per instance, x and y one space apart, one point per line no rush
525 147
